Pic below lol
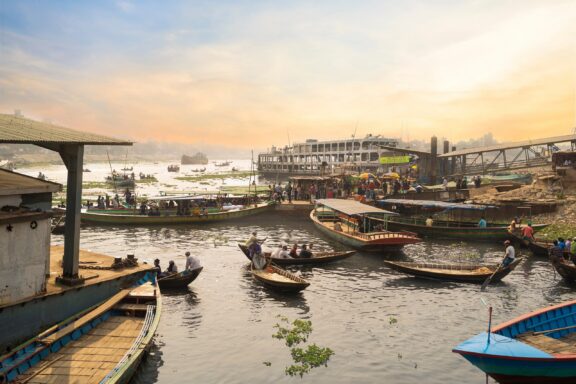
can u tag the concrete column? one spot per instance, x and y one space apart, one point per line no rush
446 149
433 171
453 162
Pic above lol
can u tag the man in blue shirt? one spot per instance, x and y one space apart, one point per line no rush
482 222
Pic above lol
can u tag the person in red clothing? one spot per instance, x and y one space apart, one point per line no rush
528 232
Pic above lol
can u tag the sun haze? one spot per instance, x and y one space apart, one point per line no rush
250 74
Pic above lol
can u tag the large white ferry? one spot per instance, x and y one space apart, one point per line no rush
315 157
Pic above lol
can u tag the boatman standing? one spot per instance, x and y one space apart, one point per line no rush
510 254
191 262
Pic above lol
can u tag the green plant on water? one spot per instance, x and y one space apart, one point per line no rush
304 358
392 320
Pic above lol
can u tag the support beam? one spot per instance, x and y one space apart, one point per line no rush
72 156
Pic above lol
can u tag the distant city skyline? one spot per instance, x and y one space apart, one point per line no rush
251 75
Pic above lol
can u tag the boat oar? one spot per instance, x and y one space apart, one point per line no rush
489 279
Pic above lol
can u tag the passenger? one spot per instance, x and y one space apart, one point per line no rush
143 208
528 233
337 226
429 221
573 246
253 244
294 251
172 268
556 253
191 262
305 253
482 223
561 243
510 254
157 268
514 225
276 253
284 254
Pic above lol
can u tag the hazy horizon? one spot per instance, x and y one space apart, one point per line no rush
250 75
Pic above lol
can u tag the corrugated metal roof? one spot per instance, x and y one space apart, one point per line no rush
351 207
12 183
434 204
20 130
518 144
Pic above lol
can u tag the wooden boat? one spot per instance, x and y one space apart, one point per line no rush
446 229
468 273
317 257
279 279
538 347
362 226
167 217
173 168
567 270
103 344
180 279
539 247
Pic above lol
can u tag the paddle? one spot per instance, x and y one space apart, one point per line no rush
489 279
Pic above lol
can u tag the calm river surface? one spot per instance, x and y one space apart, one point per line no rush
382 326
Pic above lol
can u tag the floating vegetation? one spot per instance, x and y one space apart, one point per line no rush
148 180
94 184
392 320
307 358
554 231
216 176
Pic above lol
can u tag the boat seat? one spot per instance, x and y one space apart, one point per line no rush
548 344
101 309
131 307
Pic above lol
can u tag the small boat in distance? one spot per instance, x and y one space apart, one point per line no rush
86 170
180 279
538 347
358 225
173 168
279 279
317 257
223 164
467 273
66 353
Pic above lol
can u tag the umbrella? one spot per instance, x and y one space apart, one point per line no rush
392 175
367 175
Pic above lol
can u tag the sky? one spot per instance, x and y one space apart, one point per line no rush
252 74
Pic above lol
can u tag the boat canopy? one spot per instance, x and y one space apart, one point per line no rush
193 197
351 207
433 204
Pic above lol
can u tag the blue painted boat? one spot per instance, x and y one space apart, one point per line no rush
539 347
103 344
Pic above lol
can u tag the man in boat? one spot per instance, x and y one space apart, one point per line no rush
514 225
337 226
510 254
556 253
157 268
482 223
294 251
276 253
528 232
284 253
305 253
172 268
253 244
191 262
429 221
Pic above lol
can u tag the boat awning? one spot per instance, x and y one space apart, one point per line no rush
351 207
433 204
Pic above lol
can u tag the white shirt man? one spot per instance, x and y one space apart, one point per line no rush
284 253
191 262
276 253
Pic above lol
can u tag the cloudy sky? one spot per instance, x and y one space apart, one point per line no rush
250 74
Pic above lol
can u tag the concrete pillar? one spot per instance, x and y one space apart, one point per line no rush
433 171
453 162
446 149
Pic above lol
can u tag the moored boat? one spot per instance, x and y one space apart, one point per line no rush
446 229
468 273
567 270
103 344
317 257
538 347
279 279
180 279
358 225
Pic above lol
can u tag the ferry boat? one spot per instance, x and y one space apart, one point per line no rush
315 157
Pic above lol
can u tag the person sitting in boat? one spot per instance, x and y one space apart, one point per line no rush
204 211
429 221
284 253
510 254
294 251
191 262
196 211
556 253
143 208
305 253
337 226
157 268
482 223
276 253
561 243
514 225
528 232
172 268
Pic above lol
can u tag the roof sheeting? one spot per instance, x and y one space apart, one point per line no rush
518 144
434 204
20 130
351 207
12 183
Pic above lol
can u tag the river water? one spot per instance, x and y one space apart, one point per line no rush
382 325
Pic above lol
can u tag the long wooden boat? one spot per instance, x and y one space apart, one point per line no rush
538 347
133 217
351 216
279 279
317 257
180 279
103 344
468 273
539 247
567 270
454 229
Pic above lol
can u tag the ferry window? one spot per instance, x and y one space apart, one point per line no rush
334 146
341 146
373 156
364 157
341 158
314 148
348 145
356 145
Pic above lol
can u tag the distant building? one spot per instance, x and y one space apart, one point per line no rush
315 157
